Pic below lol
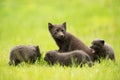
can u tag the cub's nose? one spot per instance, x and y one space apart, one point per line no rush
45 58
62 36
91 47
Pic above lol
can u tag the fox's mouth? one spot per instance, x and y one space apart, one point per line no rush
60 37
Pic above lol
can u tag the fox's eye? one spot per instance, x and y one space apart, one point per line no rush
62 30
57 30
93 44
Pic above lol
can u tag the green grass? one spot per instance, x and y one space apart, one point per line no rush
26 22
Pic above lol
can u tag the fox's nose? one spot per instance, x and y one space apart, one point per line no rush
90 46
62 36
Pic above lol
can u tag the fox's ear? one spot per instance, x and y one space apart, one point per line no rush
102 41
64 25
37 48
50 26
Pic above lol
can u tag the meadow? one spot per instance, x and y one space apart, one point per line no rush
25 22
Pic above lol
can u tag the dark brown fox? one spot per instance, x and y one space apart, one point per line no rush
79 57
66 41
102 50
21 53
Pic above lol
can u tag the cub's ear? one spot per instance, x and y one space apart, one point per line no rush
50 26
37 48
38 51
102 41
64 25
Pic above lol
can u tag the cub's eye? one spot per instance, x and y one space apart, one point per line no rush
57 30
93 44
62 30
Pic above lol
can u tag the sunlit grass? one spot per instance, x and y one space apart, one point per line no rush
26 22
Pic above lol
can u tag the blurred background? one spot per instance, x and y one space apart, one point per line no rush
25 22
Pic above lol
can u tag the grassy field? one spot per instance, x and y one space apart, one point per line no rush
25 22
